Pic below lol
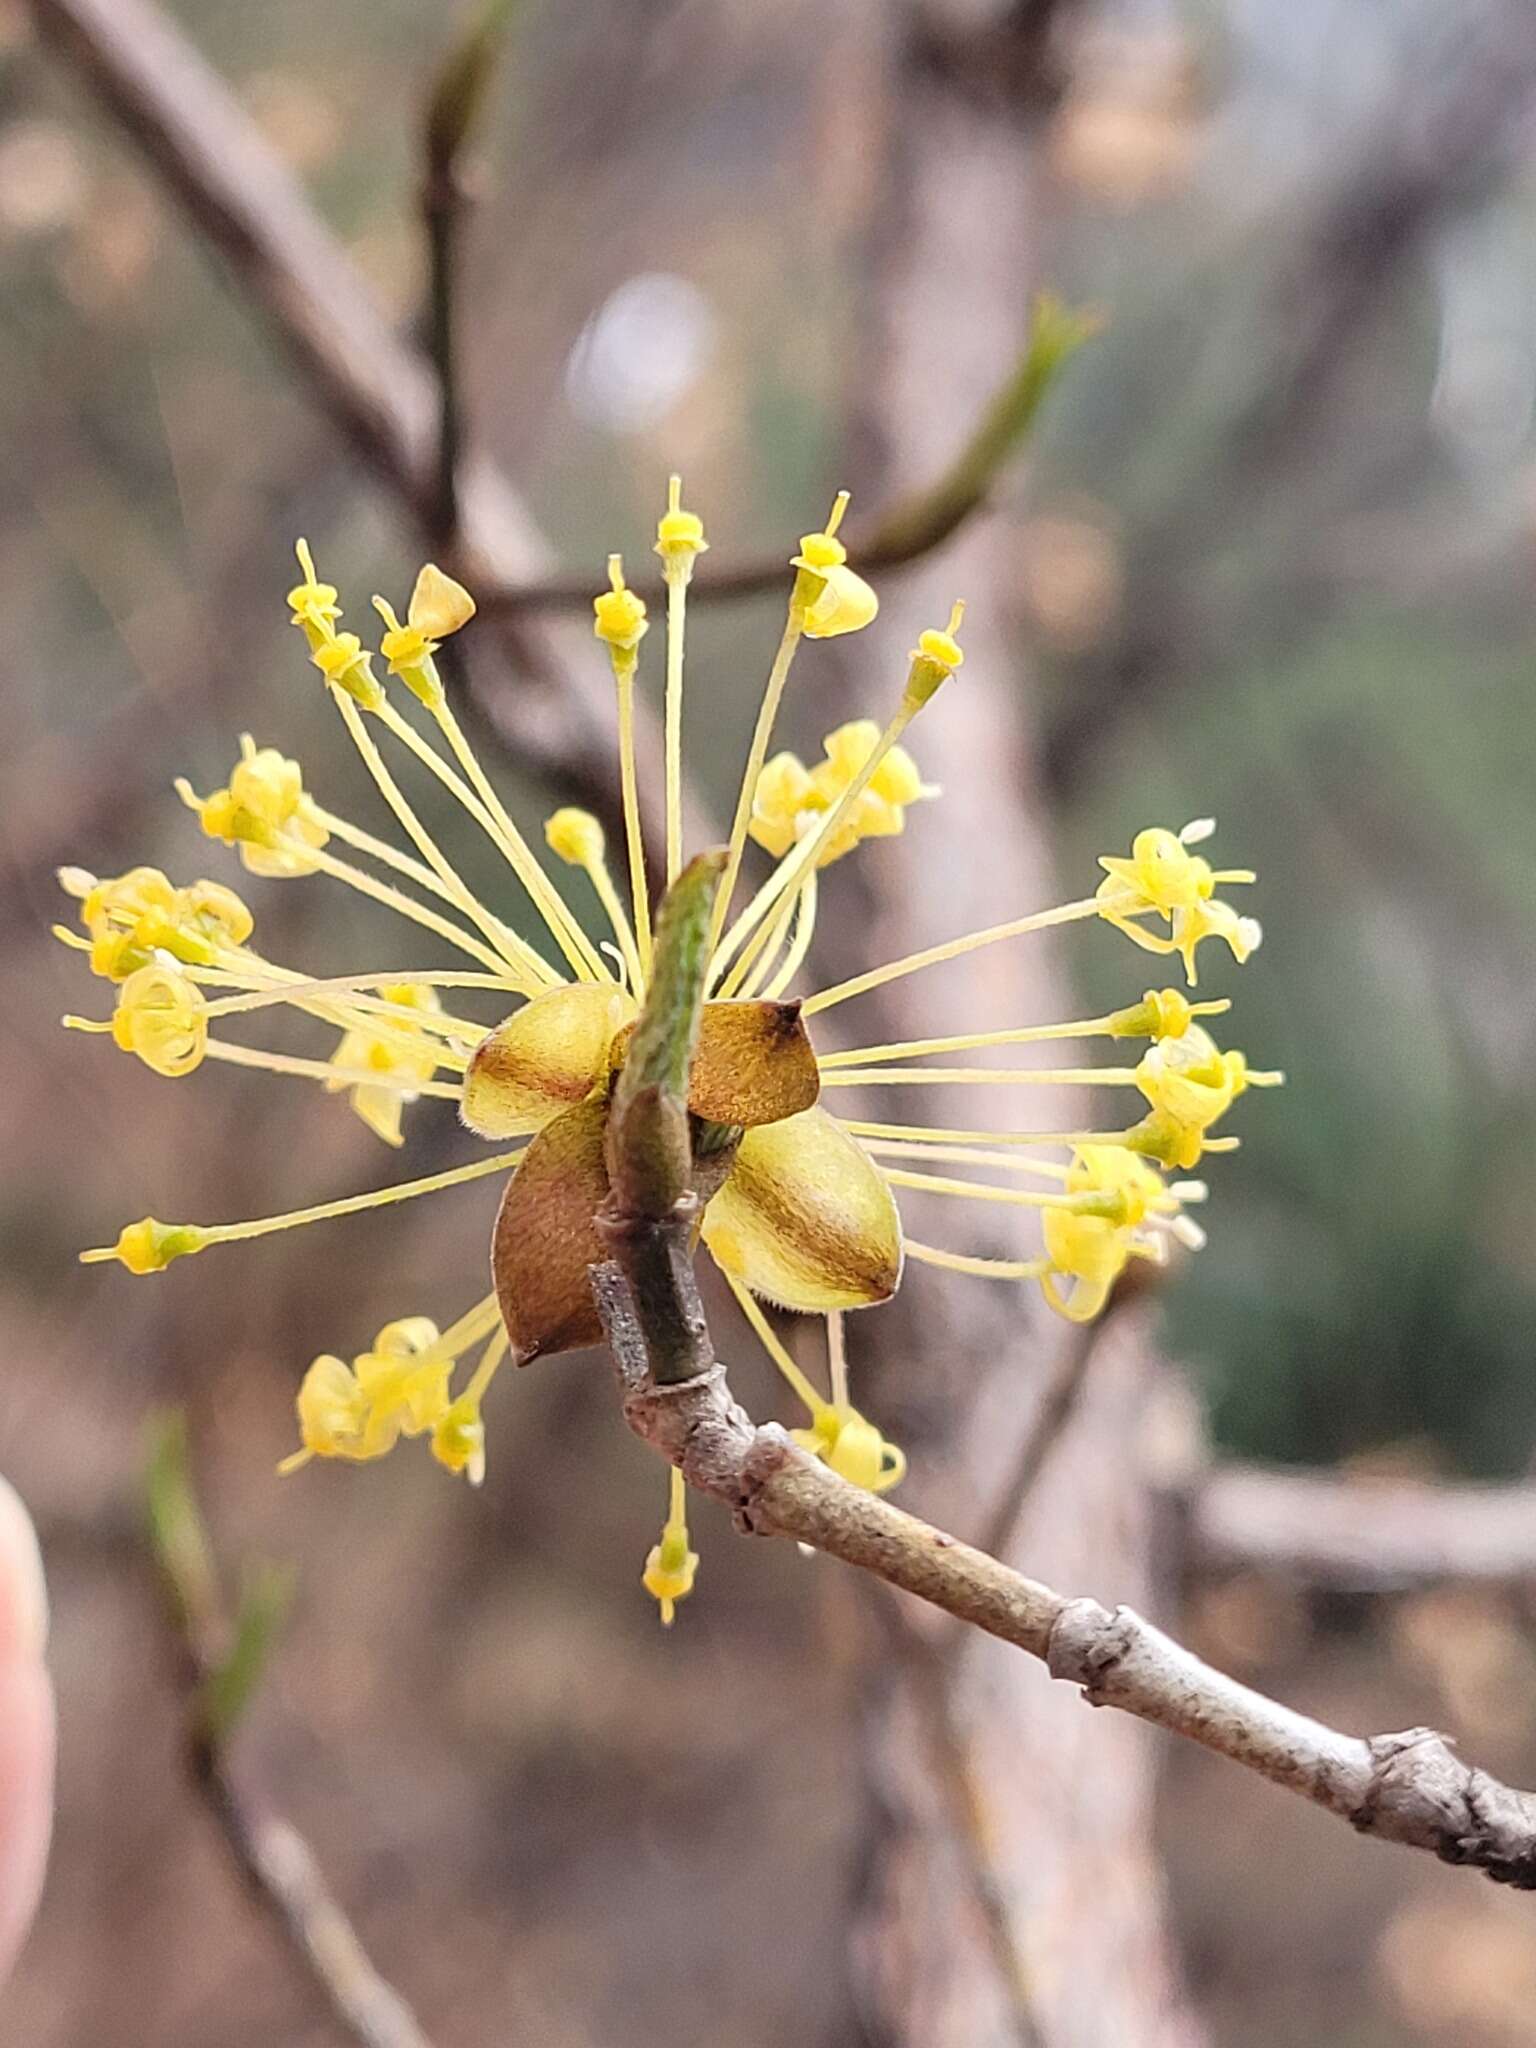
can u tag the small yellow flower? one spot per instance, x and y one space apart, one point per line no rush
829 599
132 918
856 1451
402 1054
458 1439
438 608
790 799
311 603
1190 1084
265 811
679 534
162 1017
1162 878
671 1567
619 612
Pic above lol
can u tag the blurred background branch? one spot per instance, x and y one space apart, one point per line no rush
222 1660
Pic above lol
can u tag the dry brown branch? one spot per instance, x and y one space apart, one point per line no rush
218 1663
377 389
1361 1535
1406 1787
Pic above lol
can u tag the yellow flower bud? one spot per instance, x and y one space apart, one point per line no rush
575 836
266 812
1161 1013
162 1017
149 1247
439 606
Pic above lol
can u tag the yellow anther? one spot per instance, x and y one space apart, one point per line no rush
265 811
854 1449
679 534
576 837
163 1018
312 603
148 1246
619 613
346 663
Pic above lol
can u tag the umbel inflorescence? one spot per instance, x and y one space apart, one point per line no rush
799 1202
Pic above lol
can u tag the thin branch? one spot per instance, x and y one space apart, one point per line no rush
915 525
1406 1787
1361 1535
378 390
220 1662
453 109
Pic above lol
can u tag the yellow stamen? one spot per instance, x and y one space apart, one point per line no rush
981 1191
965 1262
505 942
956 1077
768 1337
323 1212
757 754
926 1133
322 1070
951 949
794 959
578 949
970 1041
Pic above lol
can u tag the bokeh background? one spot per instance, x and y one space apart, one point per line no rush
1268 555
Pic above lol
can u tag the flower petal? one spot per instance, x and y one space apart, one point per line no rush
546 1238
548 1055
805 1218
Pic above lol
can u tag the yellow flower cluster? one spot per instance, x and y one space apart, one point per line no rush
790 799
800 1201
399 1388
